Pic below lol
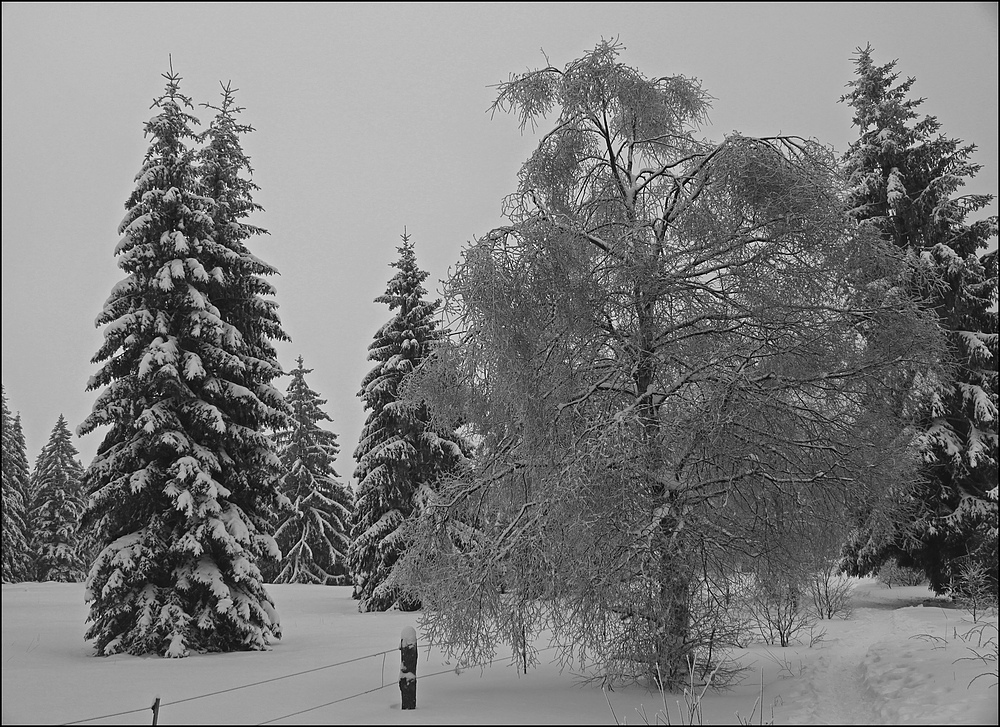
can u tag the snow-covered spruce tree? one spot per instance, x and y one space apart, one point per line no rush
15 485
57 509
398 453
665 361
314 535
184 485
906 177
23 482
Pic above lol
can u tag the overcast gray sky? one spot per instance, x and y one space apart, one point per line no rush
371 118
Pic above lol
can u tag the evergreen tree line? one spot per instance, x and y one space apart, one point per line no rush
42 510
210 482
42 535
508 458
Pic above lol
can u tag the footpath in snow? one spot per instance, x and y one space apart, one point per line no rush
903 657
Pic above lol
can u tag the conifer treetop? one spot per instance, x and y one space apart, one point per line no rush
231 184
904 173
305 440
405 290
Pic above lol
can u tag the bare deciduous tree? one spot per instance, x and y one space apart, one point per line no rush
669 361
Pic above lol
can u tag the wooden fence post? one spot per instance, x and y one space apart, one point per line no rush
156 710
408 667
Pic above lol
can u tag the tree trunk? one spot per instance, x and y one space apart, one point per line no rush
673 615
672 608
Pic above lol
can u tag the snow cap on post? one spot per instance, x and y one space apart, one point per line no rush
408 637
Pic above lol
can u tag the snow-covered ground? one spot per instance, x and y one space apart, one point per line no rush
900 658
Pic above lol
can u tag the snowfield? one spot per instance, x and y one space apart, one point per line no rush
902 657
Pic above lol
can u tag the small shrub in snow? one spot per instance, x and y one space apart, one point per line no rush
719 622
831 593
974 593
776 608
689 706
893 574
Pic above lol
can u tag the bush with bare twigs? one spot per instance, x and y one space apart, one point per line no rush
892 574
830 592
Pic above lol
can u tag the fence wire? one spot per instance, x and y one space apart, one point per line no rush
301 673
